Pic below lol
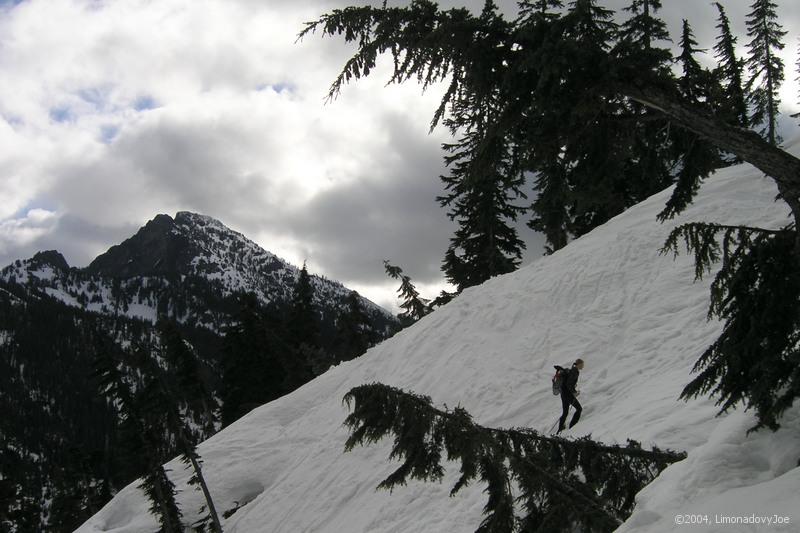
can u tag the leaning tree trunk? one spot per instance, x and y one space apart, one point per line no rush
198 470
778 164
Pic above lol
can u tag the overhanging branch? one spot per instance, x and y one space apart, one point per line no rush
778 164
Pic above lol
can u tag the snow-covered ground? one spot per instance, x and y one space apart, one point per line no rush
634 316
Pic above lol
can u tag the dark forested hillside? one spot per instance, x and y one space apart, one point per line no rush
64 452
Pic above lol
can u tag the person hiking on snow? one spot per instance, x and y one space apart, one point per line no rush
569 394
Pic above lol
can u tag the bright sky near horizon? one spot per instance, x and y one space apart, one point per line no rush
112 111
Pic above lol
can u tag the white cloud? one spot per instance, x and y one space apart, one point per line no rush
18 232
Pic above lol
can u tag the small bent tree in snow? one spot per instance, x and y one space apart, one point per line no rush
414 306
558 484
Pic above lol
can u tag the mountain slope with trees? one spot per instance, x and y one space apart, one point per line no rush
150 338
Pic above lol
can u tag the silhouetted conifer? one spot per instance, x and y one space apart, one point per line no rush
165 404
796 115
732 103
758 283
696 157
194 391
252 372
414 307
765 66
354 335
304 336
641 45
145 439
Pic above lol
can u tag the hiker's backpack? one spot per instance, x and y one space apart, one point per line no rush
558 379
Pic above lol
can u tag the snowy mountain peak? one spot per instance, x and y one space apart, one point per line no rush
51 258
189 218
156 249
174 265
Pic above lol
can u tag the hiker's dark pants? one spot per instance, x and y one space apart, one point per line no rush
567 399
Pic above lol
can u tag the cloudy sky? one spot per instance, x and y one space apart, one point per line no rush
112 111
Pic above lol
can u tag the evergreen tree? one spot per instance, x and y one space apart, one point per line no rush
759 283
579 177
354 334
144 442
252 371
650 160
550 212
732 101
485 244
165 404
195 393
539 8
765 66
413 305
302 322
594 158
304 335
544 157
160 490
482 184
561 484
695 82
796 115
696 157
640 33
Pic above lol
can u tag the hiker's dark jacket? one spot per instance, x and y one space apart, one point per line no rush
570 380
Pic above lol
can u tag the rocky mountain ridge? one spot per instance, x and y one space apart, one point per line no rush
172 266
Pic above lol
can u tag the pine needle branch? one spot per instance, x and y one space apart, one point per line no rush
592 483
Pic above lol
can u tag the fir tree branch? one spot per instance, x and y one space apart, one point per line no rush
546 469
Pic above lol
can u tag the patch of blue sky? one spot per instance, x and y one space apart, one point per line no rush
108 133
62 114
41 202
144 103
8 4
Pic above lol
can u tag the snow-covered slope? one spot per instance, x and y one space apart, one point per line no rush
634 316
